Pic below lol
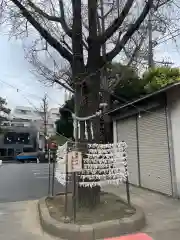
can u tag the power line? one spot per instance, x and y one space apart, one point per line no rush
169 34
70 111
30 102
18 89
170 38
102 68
29 94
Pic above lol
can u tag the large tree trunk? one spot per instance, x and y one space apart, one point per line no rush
90 196
106 119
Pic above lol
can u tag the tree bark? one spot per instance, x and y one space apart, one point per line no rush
90 196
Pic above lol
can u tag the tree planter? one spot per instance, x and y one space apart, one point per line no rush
96 230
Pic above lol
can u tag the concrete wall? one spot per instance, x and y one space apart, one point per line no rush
173 103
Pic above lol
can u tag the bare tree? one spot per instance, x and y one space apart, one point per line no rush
134 53
72 30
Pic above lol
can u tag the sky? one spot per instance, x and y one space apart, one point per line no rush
15 73
169 51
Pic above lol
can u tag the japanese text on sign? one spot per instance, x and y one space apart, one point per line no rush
74 161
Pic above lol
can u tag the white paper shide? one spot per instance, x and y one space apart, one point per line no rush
61 161
103 164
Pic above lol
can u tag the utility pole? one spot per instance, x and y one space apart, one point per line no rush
103 27
104 81
150 46
45 110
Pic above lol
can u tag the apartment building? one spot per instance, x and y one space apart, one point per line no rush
23 116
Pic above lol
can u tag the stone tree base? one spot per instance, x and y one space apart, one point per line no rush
100 230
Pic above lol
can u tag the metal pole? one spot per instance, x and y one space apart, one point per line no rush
75 187
127 181
45 106
138 154
53 176
127 191
150 48
49 180
66 185
103 26
104 79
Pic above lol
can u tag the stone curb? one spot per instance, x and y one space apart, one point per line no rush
95 231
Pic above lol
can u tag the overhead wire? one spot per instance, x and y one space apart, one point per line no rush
168 35
118 97
170 38
33 106
18 89
140 109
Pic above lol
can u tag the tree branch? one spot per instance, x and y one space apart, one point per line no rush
159 4
133 27
61 19
116 23
63 85
44 33
67 30
66 44
106 15
136 50
51 76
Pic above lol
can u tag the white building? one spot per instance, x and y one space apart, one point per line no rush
26 117
151 128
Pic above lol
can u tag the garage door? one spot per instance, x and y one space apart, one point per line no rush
153 152
126 130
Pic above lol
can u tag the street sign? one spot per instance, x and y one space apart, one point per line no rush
74 161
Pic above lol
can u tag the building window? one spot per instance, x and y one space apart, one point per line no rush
3 152
28 150
6 124
13 138
10 152
24 111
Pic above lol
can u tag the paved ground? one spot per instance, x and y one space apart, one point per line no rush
20 182
19 221
162 213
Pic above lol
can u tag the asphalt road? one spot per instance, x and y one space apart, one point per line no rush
21 182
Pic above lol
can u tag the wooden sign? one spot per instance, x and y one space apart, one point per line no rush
74 161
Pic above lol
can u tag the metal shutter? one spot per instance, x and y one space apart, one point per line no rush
154 153
126 130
